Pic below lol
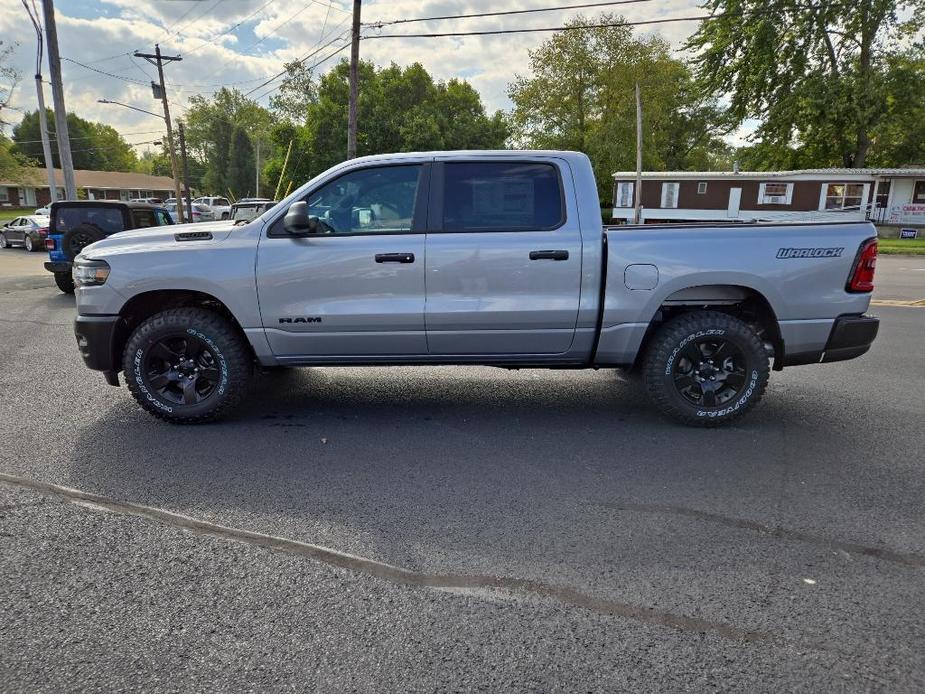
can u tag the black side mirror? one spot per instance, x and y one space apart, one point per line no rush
297 222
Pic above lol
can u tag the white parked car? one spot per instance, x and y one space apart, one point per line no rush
201 213
44 211
221 207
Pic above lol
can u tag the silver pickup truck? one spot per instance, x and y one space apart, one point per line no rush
491 258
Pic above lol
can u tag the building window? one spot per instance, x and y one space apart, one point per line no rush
883 193
775 193
4 194
702 188
623 197
918 194
843 196
670 195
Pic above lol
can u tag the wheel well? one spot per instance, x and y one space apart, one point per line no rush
141 307
744 303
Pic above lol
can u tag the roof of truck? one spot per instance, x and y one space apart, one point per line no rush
123 203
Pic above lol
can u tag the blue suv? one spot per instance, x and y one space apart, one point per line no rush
78 223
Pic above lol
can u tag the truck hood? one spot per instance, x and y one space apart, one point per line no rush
158 238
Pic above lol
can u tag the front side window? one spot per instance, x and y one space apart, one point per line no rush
501 196
843 196
221 202
379 200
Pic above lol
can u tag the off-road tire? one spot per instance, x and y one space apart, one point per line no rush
232 358
78 238
65 282
663 351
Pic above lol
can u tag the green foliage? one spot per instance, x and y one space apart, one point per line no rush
399 110
11 163
210 126
580 95
94 146
241 172
828 81
9 78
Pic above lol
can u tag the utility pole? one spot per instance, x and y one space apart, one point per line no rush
57 94
257 167
354 82
189 202
40 93
637 189
159 60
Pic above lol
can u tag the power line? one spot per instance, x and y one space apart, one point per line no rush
311 67
495 32
380 24
300 62
229 30
51 136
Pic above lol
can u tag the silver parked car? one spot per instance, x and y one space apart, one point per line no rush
200 213
221 207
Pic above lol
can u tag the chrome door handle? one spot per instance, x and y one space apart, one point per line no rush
395 257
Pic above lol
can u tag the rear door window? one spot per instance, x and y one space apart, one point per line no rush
106 219
501 196
162 217
143 218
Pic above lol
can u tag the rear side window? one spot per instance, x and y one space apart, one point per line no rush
106 219
143 218
163 219
501 196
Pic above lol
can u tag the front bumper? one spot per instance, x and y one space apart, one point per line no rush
96 340
851 337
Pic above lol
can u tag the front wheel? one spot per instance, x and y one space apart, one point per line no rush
187 365
65 282
706 368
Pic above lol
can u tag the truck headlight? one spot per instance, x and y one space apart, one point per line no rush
89 273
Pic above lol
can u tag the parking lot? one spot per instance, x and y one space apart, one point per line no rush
431 529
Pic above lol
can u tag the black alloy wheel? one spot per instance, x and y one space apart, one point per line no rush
710 372
181 369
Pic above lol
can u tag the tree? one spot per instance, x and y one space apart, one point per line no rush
94 146
240 163
400 110
580 95
11 163
817 75
210 122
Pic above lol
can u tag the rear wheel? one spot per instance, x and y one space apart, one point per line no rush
187 365
65 282
3 241
706 368
30 247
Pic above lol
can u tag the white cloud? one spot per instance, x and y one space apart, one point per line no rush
103 33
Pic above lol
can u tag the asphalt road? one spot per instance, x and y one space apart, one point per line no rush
463 529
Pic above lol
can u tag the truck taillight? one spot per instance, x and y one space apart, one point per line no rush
862 274
49 244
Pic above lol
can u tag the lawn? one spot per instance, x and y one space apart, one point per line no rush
902 246
8 213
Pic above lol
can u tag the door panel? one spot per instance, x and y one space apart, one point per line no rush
355 287
503 292
327 295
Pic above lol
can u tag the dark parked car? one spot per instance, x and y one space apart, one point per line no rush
78 223
29 232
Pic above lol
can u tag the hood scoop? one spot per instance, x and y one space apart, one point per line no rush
193 236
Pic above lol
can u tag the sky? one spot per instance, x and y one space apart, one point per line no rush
242 43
